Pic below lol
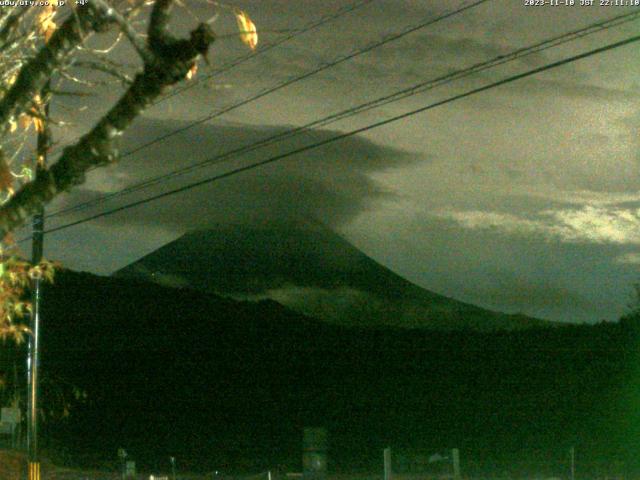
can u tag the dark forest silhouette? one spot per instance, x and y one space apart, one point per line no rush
229 385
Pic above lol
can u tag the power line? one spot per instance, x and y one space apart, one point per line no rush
312 26
385 40
381 101
339 60
351 133
239 61
304 76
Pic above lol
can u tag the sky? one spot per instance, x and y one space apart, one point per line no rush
524 198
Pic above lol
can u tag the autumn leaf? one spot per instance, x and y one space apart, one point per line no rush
15 331
24 121
21 308
36 112
48 269
9 241
39 124
6 178
32 117
192 72
248 32
36 273
46 25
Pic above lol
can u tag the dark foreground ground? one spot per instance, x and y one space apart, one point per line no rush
13 467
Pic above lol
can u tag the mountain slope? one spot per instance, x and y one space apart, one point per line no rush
313 271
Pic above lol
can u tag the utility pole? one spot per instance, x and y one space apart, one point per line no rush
37 248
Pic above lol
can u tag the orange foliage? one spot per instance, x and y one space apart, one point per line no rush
248 32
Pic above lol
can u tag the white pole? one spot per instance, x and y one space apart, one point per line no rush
573 463
388 470
455 454
269 474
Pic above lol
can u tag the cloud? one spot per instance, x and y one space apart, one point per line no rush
599 225
332 183
342 304
522 271
586 197
585 225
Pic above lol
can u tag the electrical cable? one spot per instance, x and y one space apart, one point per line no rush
239 61
351 133
381 101
304 76
296 79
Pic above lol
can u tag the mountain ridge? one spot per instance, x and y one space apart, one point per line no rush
313 271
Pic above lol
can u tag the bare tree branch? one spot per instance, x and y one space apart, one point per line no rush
10 24
129 32
35 74
158 24
106 68
169 63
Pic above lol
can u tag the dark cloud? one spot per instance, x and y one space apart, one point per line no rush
332 183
